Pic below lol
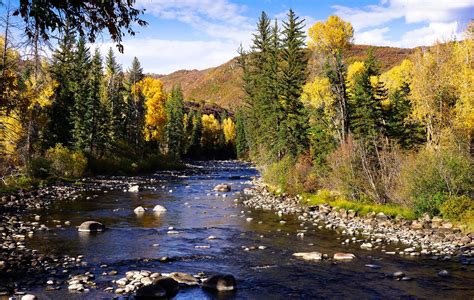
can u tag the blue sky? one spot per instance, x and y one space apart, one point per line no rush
197 34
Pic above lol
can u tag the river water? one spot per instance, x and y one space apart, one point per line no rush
197 213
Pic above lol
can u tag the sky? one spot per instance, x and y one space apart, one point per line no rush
198 34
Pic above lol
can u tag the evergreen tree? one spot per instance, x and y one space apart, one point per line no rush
114 93
407 133
196 134
293 130
366 121
135 105
99 110
241 140
174 129
60 125
81 114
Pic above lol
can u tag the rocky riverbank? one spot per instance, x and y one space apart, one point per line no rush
433 237
22 268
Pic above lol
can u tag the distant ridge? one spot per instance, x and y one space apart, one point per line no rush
221 85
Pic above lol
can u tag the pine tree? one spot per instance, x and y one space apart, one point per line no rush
366 122
135 105
114 93
407 133
80 115
241 139
196 134
59 129
99 110
293 130
174 129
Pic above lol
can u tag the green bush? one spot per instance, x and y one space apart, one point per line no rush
276 174
429 177
455 207
429 204
66 163
39 167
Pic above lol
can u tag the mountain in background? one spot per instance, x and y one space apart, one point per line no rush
222 85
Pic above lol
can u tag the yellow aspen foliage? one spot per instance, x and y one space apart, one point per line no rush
394 78
12 133
155 116
317 93
210 130
39 90
230 133
353 70
442 89
331 36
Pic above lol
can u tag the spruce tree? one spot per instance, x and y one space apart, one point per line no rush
174 128
135 105
81 114
114 93
241 139
99 110
60 125
399 127
366 122
293 130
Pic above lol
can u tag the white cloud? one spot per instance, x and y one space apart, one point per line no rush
216 18
439 20
426 35
373 37
413 11
165 56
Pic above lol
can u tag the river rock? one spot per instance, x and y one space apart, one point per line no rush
139 210
381 217
160 288
29 297
134 189
158 209
224 188
91 226
220 282
184 278
443 273
343 256
309 255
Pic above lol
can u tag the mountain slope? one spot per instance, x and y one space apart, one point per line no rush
222 85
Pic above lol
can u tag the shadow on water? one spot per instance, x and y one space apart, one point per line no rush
137 242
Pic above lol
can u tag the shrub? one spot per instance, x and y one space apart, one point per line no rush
456 207
276 174
39 167
429 203
429 177
66 163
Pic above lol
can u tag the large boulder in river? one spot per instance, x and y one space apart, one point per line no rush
222 188
220 282
309 255
343 256
160 288
184 278
91 226
158 209
139 210
134 189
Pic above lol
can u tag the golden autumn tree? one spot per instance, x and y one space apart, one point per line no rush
230 133
330 39
210 131
155 116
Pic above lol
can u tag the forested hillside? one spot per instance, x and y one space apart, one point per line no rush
223 85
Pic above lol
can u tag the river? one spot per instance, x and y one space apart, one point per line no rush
137 242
